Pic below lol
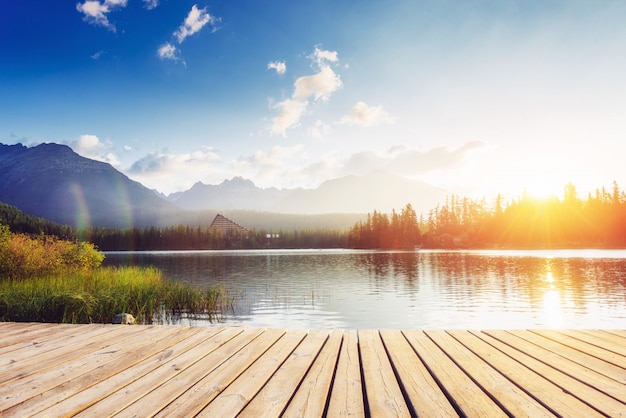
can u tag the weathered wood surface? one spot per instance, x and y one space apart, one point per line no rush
52 370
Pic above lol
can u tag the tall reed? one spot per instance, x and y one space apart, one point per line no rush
96 296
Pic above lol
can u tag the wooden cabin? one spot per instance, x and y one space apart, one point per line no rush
226 226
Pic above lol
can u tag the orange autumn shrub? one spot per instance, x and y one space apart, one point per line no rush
24 256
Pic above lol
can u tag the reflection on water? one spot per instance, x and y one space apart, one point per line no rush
423 289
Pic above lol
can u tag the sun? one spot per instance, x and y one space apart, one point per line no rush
543 182
543 190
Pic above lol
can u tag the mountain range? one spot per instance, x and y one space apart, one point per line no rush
377 190
53 182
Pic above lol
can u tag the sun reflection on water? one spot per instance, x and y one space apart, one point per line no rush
552 308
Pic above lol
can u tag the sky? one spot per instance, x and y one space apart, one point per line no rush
477 97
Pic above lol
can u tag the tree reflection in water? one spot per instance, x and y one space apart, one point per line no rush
408 289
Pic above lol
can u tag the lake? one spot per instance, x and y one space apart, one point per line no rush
422 289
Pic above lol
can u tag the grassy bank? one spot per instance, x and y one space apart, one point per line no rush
95 296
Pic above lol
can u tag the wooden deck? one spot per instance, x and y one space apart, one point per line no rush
102 370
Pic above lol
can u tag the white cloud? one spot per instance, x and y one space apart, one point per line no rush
168 51
266 168
401 160
90 146
290 113
280 67
412 162
364 115
319 130
150 4
96 12
318 87
169 172
321 56
194 22
288 166
97 55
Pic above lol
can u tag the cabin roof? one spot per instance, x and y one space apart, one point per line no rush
226 225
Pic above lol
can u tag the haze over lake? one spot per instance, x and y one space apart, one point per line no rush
419 289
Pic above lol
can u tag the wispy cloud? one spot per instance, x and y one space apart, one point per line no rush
279 66
320 86
90 146
413 162
266 167
150 4
281 166
322 56
95 12
194 22
169 172
364 115
401 160
97 55
291 111
317 87
318 130
168 51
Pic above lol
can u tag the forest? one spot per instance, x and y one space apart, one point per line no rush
597 221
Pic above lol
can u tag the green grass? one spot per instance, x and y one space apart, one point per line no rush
96 296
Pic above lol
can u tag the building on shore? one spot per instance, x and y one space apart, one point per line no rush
226 226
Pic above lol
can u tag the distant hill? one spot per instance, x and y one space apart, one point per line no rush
379 191
19 222
53 182
237 193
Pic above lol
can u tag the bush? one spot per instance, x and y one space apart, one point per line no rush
24 256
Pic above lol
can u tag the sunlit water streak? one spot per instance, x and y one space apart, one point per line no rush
423 289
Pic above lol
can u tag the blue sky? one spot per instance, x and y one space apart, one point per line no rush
478 97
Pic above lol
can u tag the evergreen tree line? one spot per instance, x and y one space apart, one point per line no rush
567 222
19 222
395 231
570 222
205 238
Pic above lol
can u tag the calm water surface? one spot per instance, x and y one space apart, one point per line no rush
422 289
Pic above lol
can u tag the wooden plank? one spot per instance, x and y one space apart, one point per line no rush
468 398
237 395
62 351
554 360
119 399
275 395
39 352
426 397
603 340
200 394
588 348
559 391
168 391
35 385
574 354
117 382
21 329
382 390
618 332
102 370
132 355
312 394
33 336
513 399
346 398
